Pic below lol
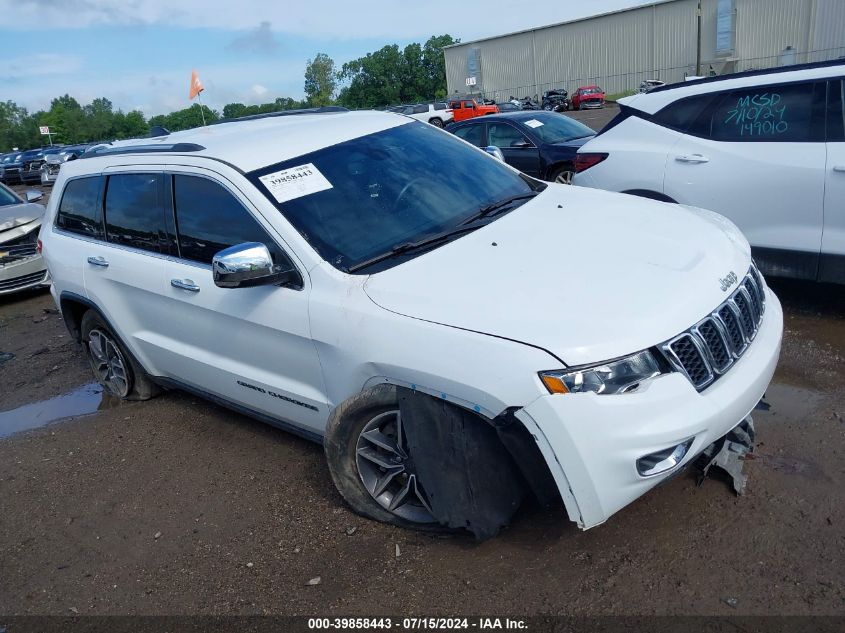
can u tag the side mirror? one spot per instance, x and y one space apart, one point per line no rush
495 152
33 196
247 264
520 144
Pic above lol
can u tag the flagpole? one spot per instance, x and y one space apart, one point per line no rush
202 114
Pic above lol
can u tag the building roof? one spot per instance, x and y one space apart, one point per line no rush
556 24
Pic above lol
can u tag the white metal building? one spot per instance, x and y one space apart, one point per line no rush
655 41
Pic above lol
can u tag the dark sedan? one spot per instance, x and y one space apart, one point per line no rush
538 143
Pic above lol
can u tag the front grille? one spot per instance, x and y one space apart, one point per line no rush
22 281
19 248
712 346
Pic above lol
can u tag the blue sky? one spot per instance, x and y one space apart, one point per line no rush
139 53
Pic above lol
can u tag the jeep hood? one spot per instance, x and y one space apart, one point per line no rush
585 274
13 215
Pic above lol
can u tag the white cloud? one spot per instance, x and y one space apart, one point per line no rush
38 65
259 91
312 19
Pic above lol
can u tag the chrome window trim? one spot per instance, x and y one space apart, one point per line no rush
166 256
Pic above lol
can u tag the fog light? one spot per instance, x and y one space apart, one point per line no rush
661 461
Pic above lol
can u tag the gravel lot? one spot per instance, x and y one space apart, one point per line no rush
177 506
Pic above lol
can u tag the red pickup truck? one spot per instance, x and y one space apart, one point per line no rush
467 108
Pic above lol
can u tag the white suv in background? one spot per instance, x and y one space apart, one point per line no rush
765 148
438 114
415 320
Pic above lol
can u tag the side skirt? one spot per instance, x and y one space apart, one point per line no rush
284 425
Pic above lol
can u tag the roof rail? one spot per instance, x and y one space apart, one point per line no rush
266 115
178 148
749 73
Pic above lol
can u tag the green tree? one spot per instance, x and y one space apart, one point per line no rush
320 80
390 75
185 119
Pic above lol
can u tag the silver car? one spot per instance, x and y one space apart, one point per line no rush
21 265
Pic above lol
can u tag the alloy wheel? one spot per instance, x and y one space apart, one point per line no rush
387 469
108 362
564 177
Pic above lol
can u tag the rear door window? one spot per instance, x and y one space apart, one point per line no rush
209 218
80 208
134 212
420 109
439 106
471 134
786 113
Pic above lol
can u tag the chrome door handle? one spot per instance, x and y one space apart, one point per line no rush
692 158
185 284
839 168
98 261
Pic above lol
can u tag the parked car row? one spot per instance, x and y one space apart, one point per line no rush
40 165
766 149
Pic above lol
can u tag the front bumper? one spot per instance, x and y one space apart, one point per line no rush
28 177
10 175
592 104
23 274
591 442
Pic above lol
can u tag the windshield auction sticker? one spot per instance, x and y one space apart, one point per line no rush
295 182
533 123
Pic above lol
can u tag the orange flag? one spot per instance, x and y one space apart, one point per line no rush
196 85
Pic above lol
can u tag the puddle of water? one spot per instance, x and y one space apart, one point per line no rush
81 401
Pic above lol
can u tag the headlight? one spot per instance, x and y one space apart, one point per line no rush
618 376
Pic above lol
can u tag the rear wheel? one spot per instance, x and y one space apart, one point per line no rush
113 367
436 122
563 175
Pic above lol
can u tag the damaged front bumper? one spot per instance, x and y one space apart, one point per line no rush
592 442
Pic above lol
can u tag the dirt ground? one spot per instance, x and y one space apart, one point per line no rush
177 506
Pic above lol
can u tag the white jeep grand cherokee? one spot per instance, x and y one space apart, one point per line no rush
456 338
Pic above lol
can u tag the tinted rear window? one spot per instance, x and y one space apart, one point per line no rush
134 214
439 106
769 113
681 114
79 210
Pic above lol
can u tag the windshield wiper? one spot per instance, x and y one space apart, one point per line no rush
497 207
406 247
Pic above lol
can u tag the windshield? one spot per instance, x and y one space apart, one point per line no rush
7 197
359 199
591 91
557 128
